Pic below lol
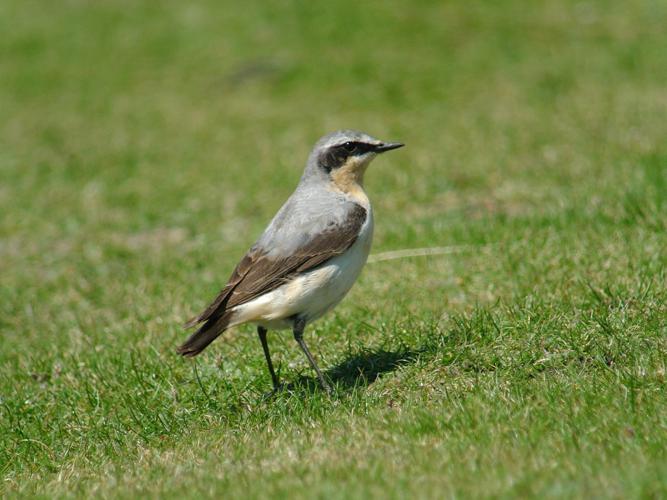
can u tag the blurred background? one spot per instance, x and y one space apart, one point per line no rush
181 127
145 145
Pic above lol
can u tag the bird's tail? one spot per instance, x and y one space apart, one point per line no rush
206 334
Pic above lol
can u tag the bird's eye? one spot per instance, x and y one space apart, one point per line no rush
350 147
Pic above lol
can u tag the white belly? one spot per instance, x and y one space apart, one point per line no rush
311 294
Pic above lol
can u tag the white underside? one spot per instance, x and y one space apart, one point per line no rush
312 294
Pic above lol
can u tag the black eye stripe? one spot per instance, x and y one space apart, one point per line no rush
331 159
335 156
354 148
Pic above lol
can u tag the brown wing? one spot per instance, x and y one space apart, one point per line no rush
257 273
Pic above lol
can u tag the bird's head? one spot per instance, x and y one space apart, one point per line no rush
343 157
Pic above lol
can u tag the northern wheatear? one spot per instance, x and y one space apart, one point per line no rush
308 257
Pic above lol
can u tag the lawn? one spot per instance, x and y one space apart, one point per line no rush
143 148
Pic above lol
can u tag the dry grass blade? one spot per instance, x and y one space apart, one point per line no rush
423 252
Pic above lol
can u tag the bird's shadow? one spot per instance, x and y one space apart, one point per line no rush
360 369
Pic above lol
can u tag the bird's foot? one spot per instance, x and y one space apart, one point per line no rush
327 387
272 393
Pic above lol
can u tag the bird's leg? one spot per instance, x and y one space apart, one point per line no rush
299 325
261 331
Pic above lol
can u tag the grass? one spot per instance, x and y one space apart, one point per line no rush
143 148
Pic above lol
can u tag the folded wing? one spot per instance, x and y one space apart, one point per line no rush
262 271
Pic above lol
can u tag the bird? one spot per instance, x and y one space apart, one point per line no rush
308 257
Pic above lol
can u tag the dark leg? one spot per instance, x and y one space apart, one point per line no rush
265 345
299 325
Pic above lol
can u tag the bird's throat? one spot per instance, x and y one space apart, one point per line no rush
349 178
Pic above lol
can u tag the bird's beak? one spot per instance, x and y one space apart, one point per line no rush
387 146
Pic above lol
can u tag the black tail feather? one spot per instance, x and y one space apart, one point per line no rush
206 334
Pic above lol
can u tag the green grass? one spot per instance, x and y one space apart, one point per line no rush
143 148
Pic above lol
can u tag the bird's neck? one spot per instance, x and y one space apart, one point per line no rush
350 180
